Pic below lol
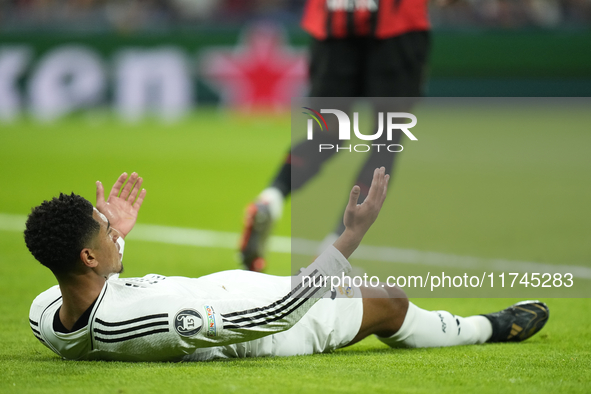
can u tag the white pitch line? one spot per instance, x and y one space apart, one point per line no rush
228 240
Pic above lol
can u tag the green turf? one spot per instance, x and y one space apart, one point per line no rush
201 173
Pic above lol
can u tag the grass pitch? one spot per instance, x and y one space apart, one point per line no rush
202 172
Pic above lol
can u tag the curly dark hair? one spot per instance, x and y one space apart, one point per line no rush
57 230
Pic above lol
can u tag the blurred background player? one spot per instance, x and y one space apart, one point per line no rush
359 48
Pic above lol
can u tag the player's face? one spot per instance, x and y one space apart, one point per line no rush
106 247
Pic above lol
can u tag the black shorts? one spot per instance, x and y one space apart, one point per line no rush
369 67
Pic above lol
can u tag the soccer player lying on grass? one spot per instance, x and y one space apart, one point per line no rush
94 314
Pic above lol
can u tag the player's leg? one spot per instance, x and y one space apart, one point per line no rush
394 68
301 164
389 315
384 311
394 75
396 321
334 72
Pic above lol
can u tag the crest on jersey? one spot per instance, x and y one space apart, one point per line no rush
347 291
188 322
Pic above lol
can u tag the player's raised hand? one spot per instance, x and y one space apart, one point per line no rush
121 207
358 218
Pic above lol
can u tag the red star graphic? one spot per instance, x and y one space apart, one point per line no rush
263 73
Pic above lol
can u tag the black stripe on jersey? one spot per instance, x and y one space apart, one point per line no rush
130 329
270 314
35 332
142 334
267 321
91 319
274 304
40 339
260 309
48 306
269 311
53 302
138 319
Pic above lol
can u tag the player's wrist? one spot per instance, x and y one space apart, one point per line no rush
121 234
348 242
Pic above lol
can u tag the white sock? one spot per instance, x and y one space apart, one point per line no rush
274 198
423 328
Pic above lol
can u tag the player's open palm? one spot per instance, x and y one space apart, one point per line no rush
121 207
359 217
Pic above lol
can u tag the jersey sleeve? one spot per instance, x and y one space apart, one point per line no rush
174 326
231 321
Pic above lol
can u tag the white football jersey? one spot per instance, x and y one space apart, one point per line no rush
158 318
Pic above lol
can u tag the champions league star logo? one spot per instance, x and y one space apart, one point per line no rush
188 322
262 72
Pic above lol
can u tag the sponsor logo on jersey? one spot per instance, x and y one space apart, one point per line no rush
211 331
188 322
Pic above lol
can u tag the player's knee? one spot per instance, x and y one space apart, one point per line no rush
396 293
388 305
399 301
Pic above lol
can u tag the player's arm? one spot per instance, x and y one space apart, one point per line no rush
275 307
201 322
358 218
314 281
123 203
254 317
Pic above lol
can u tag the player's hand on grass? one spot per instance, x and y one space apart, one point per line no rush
358 218
121 207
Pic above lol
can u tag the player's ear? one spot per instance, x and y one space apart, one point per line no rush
88 258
